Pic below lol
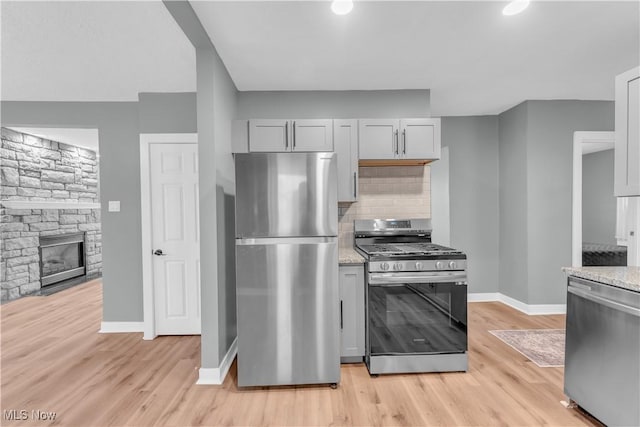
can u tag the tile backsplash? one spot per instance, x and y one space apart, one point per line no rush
387 192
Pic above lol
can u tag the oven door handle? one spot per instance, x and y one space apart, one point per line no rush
457 277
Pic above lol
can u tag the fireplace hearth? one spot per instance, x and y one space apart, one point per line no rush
62 257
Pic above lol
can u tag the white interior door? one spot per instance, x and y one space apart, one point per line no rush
175 242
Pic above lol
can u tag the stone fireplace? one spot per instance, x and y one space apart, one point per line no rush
48 189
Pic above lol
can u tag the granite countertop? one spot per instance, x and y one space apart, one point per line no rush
349 256
622 277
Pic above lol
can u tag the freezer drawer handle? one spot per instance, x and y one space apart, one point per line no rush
608 303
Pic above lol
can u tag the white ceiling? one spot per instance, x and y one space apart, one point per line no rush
474 60
85 138
92 51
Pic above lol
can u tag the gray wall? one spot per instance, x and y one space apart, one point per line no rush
512 211
118 125
167 113
473 195
598 201
550 129
334 104
536 157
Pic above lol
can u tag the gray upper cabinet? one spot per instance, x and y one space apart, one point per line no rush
312 135
269 135
277 135
378 139
345 134
404 139
627 145
419 139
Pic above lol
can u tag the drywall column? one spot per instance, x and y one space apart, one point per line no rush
473 195
216 107
208 209
513 240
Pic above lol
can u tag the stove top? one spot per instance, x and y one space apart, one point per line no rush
413 248
401 240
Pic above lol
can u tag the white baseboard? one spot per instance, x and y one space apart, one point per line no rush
483 297
121 327
539 309
530 309
533 309
217 375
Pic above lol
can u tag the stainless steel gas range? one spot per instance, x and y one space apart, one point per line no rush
416 298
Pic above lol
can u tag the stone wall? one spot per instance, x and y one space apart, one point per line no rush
37 170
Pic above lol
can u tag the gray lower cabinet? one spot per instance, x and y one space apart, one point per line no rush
351 313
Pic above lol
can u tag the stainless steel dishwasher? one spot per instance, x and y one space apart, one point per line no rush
602 354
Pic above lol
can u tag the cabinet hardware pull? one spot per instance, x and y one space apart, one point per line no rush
355 185
286 135
294 135
341 318
396 138
404 141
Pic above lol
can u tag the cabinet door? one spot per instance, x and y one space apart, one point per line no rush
345 134
378 139
352 310
627 148
420 139
312 135
269 135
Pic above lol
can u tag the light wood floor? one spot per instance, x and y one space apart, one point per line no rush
54 359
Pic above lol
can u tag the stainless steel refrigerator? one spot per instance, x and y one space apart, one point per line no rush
287 269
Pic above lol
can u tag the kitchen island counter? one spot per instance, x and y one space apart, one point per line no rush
622 277
349 256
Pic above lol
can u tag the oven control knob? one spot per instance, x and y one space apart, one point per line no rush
397 266
439 265
384 266
418 266
453 265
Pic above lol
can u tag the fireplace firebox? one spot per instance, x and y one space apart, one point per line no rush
62 257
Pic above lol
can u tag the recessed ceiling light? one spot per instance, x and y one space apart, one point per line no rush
515 7
341 7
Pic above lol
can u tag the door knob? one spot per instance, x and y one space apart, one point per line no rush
158 252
